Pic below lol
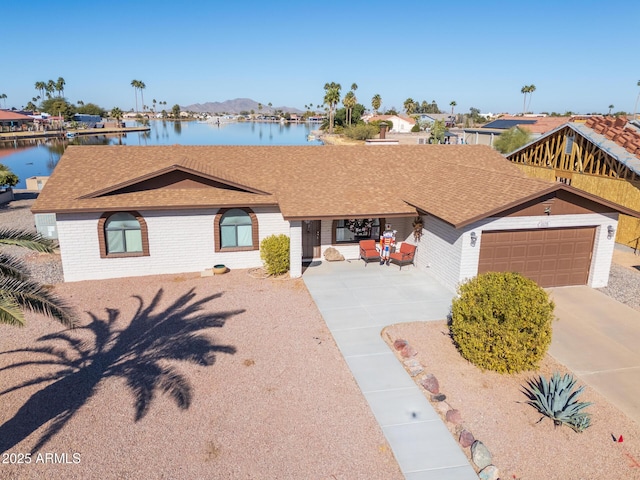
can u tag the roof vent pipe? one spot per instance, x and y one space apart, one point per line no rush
383 130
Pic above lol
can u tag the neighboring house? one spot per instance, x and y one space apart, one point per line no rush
13 122
36 183
401 123
129 211
430 118
536 125
600 156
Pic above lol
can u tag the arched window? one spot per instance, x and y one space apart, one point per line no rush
237 229
123 234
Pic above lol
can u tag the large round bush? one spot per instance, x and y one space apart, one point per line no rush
502 322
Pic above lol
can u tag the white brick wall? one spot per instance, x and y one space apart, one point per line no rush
295 249
178 242
440 251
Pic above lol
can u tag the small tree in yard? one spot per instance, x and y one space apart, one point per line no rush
501 321
274 252
512 139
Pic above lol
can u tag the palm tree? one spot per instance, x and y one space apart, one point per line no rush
60 86
349 101
18 292
41 87
3 97
270 109
117 114
532 88
7 177
409 106
376 101
141 87
50 88
524 90
154 105
331 99
134 84
353 99
452 105
611 107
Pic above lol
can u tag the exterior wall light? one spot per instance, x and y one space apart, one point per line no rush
610 232
474 239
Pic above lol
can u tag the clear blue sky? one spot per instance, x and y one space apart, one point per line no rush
581 55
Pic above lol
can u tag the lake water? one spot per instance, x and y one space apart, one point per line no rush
39 157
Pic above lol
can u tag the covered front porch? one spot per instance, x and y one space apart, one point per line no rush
310 238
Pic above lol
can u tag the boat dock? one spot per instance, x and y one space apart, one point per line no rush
14 136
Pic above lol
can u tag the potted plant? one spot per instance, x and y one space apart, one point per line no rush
219 269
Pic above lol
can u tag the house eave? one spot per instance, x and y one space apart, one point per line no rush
153 208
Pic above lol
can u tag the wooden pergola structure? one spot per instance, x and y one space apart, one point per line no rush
567 151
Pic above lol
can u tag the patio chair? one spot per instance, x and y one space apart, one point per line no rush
368 251
404 256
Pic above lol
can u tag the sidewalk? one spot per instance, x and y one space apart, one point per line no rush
357 302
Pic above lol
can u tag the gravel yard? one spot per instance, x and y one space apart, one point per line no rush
265 392
262 391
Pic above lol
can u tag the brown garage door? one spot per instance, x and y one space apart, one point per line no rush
551 257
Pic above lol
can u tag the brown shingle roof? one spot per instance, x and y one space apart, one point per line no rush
453 182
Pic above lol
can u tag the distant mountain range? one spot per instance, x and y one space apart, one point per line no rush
235 106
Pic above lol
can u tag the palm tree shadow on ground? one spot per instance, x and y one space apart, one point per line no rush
141 353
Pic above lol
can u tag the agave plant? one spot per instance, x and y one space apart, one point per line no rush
556 400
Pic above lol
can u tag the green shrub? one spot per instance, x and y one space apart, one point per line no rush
377 124
415 128
361 131
274 252
556 400
502 322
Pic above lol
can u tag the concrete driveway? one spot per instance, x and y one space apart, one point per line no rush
598 338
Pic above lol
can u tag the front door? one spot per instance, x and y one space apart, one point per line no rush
311 239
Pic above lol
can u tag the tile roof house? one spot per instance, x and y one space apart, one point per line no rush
600 155
129 211
11 121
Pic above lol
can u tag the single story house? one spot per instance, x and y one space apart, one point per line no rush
400 123
14 122
430 118
536 125
131 211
